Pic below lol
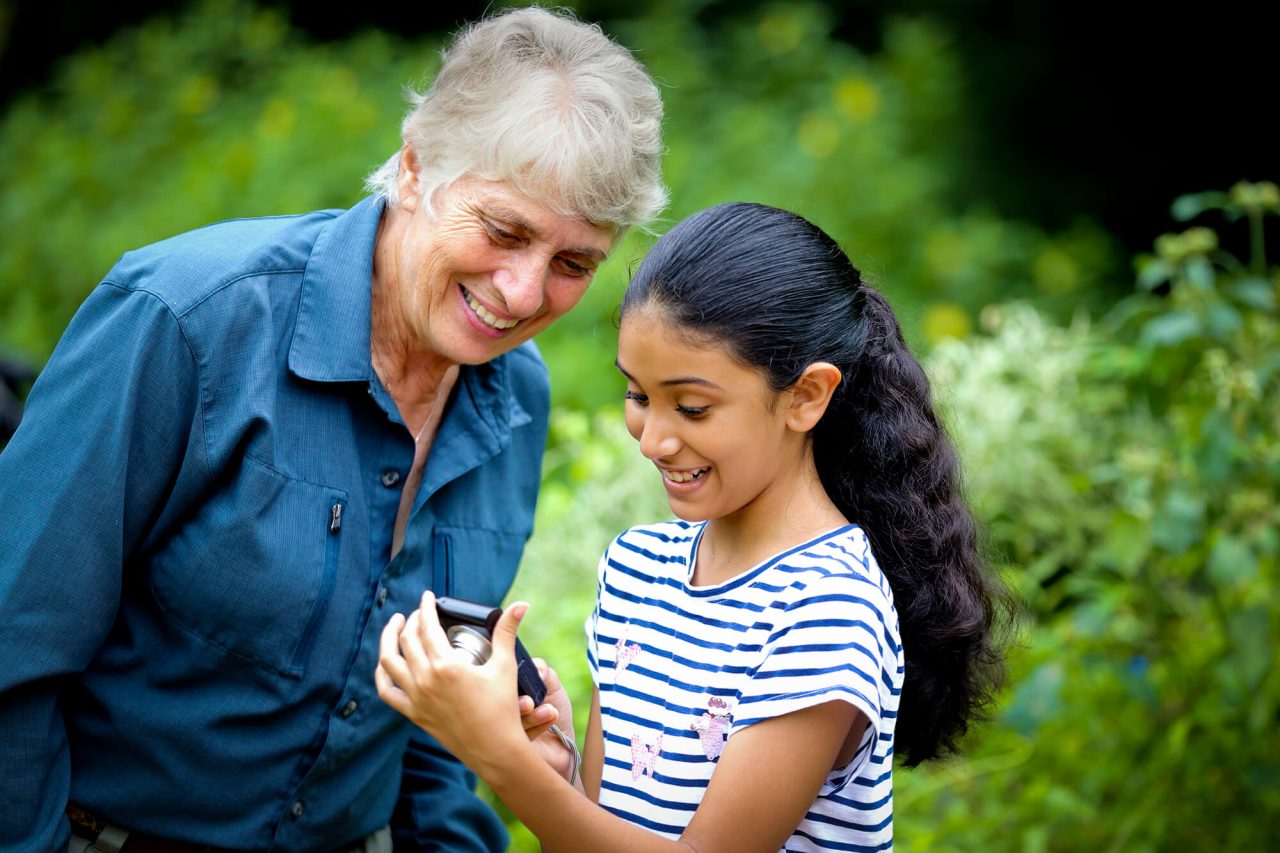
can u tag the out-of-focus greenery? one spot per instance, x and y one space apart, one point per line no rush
1126 467
1127 473
227 112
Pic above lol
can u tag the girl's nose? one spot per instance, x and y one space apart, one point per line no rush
657 440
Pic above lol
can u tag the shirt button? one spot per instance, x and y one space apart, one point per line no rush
349 709
382 596
390 477
297 810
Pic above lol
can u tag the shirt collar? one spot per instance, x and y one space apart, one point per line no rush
331 338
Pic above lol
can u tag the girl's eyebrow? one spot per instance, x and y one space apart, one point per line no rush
679 380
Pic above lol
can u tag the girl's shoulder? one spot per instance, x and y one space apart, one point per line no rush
841 561
662 536
651 550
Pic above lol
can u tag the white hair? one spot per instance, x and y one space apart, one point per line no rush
547 103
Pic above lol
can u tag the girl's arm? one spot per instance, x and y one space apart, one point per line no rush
593 751
767 777
556 710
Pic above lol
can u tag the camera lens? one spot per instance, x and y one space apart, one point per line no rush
471 640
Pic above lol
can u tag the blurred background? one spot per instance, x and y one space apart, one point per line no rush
1069 205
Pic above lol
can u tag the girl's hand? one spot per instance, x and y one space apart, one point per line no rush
471 710
557 710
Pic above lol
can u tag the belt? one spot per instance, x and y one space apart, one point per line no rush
93 828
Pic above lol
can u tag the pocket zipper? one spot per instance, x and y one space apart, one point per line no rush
327 582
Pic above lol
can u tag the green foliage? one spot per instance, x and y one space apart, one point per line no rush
1129 475
768 107
172 126
226 112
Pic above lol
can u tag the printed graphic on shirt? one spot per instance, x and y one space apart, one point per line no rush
644 758
713 725
626 652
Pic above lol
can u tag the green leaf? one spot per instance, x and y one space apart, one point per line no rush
1224 321
1153 272
1231 561
1128 542
1255 293
1199 273
1169 330
1252 645
1178 523
1192 205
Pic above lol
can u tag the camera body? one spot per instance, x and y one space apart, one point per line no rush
469 627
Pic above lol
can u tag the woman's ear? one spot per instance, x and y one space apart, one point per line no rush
811 394
407 180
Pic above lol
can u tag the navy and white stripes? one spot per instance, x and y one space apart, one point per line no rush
681 669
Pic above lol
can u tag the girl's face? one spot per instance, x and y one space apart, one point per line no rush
713 427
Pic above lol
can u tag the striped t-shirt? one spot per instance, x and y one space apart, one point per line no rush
681 668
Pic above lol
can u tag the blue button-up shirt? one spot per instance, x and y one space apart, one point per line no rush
195 535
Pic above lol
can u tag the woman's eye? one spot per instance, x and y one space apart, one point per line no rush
638 398
692 411
500 235
573 268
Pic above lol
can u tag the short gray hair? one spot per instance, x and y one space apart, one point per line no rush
547 103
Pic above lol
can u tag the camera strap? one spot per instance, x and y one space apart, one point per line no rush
573 748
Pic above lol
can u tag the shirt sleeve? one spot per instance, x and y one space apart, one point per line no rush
830 643
84 478
593 623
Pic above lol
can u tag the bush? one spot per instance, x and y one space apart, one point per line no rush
1129 473
226 112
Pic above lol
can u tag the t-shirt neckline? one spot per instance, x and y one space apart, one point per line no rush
746 576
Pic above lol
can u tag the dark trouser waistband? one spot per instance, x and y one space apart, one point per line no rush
90 828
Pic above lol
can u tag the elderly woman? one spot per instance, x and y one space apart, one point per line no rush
258 440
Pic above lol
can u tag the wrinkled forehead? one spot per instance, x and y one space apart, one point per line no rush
539 208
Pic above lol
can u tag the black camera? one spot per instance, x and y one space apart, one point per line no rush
469 627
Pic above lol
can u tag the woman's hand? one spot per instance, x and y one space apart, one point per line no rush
472 710
555 710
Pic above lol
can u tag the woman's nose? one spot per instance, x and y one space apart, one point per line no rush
522 281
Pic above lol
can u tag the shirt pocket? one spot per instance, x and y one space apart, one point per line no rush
475 564
253 571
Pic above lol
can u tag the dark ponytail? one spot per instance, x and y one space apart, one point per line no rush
780 294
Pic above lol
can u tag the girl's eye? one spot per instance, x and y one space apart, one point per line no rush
692 411
638 398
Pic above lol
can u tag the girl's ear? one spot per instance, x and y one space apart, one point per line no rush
811 394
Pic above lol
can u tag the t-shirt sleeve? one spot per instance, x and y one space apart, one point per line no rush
830 643
593 622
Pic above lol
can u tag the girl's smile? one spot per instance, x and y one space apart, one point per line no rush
711 425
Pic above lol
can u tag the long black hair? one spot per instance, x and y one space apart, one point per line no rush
780 294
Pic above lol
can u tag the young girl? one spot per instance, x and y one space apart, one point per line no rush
819 610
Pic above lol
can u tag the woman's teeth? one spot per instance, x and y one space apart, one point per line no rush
485 314
684 476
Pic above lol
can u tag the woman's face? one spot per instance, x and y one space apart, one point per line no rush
490 268
711 425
